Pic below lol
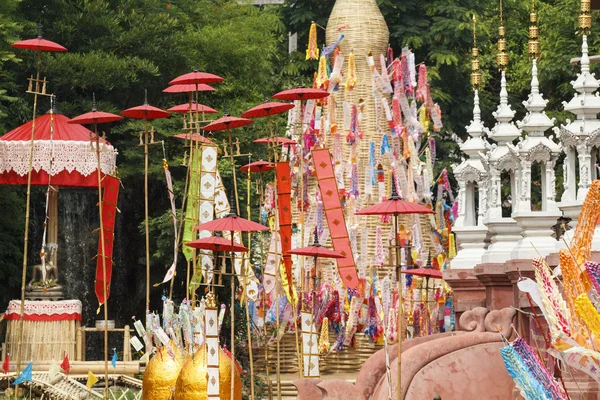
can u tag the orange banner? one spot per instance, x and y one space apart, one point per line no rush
110 185
284 190
335 217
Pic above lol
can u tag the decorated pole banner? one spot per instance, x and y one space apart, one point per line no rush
310 348
212 351
284 200
208 184
335 217
109 212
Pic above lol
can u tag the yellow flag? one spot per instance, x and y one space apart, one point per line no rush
91 379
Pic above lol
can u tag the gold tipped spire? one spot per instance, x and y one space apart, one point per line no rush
502 56
585 17
534 41
475 73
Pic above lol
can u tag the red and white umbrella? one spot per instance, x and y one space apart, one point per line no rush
67 160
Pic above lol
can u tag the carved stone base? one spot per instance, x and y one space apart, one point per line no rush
469 292
51 294
498 288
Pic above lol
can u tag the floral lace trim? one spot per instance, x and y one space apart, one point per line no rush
45 307
69 156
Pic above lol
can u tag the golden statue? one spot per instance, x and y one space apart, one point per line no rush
161 375
193 378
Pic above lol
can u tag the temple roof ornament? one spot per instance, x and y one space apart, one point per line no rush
536 147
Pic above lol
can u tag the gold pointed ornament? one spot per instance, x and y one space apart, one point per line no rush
161 375
192 383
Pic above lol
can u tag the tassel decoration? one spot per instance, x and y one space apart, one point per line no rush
351 78
422 85
322 78
312 52
324 337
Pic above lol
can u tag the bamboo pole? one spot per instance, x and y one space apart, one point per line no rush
103 255
400 305
146 215
183 204
245 275
237 208
26 234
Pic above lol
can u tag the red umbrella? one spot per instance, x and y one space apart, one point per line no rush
145 111
188 88
301 94
231 223
258 166
316 250
276 140
217 243
424 272
185 108
73 163
195 77
267 109
227 122
39 44
394 205
196 137
95 117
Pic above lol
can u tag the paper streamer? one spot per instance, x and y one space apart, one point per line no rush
171 272
335 217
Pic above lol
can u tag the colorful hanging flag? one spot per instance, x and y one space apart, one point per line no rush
335 216
65 365
282 172
110 185
25 376
6 364
91 380
114 359
192 210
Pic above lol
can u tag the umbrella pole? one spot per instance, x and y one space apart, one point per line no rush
244 273
400 305
146 215
277 367
232 316
299 348
103 255
26 234
248 329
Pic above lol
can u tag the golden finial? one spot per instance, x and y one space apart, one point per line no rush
210 300
502 56
585 17
534 42
475 73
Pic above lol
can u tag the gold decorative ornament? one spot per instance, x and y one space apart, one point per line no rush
161 375
475 65
502 56
585 17
533 45
193 379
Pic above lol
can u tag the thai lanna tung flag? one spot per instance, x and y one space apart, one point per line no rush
6 364
25 376
114 358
